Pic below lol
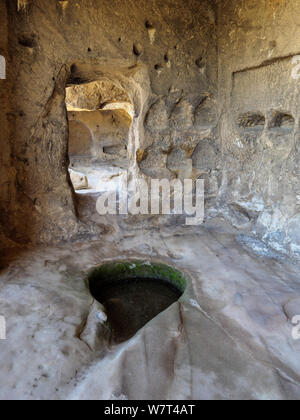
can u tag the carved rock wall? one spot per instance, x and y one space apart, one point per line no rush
101 135
259 42
7 171
93 96
153 50
214 86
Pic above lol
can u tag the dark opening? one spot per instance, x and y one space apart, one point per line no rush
282 121
252 121
133 293
100 116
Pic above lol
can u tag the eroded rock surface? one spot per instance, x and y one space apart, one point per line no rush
94 96
211 91
79 180
214 82
99 135
229 336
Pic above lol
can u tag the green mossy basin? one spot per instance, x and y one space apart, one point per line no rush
134 292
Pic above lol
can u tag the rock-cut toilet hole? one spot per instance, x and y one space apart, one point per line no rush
133 293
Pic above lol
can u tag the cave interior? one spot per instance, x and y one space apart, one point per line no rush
93 94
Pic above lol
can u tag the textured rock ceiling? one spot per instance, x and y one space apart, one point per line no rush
94 96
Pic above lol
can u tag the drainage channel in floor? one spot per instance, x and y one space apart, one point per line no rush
133 293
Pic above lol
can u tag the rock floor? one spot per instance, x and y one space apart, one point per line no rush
229 336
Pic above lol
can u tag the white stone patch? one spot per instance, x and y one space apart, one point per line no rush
2 67
2 328
296 68
195 304
79 180
101 316
239 144
152 33
132 266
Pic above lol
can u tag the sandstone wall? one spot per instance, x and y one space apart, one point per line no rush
259 131
7 171
99 134
162 53
93 96
80 139
214 89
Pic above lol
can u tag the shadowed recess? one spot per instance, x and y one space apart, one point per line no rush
252 121
282 120
133 293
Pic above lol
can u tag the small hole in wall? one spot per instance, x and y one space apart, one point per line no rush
98 136
282 120
149 25
252 121
133 293
158 67
200 63
27 41
75 77
137 49
89 50
37 202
